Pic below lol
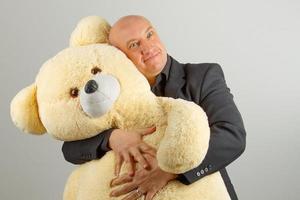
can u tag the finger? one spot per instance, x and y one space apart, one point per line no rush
116 179
133 195
145 148
138 157
118 164
130 163
128 187
121 180
150 195
149 131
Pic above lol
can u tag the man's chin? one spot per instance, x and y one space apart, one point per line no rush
155 69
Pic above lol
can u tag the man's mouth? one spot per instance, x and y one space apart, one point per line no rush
151 56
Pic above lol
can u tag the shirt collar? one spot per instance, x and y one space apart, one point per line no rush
166 69
164 73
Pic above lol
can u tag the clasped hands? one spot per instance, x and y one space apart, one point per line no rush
130 149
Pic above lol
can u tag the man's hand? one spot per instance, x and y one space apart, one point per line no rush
129 147
144 182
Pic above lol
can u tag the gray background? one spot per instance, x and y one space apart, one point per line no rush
256 43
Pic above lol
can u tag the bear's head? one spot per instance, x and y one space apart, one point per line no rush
86 88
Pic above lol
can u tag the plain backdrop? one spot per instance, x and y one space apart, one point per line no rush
256 43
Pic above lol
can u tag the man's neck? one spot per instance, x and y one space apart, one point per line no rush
151 80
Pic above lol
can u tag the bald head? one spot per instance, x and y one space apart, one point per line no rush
125 22
137 38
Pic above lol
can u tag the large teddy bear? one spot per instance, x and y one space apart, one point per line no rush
92 86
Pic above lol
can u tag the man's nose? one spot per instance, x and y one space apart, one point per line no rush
146 47
91 86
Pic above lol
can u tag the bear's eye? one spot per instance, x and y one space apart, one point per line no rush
74 92
96 70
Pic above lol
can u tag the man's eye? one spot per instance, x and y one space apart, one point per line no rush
133 45
149 34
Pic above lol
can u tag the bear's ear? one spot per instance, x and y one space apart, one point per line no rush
24 111
90 30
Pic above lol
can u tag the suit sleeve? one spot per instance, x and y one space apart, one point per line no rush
228 135
81 151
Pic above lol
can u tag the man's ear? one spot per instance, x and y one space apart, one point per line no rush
24 111
90 30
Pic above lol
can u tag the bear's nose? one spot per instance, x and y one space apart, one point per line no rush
91 86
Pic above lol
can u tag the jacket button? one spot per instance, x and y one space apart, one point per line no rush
206 169
202 171
209 166
198 174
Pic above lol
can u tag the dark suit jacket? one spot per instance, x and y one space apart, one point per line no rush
205 85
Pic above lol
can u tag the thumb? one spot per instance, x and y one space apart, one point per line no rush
148 131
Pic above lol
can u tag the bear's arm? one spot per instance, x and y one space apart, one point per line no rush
186 138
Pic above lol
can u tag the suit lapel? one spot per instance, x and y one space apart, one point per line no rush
176 79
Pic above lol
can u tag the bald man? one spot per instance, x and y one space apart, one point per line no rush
203 84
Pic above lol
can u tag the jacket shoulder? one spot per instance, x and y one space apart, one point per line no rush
198 76
196 73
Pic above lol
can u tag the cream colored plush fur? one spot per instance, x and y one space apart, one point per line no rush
182 133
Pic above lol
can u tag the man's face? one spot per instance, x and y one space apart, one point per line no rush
140 42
